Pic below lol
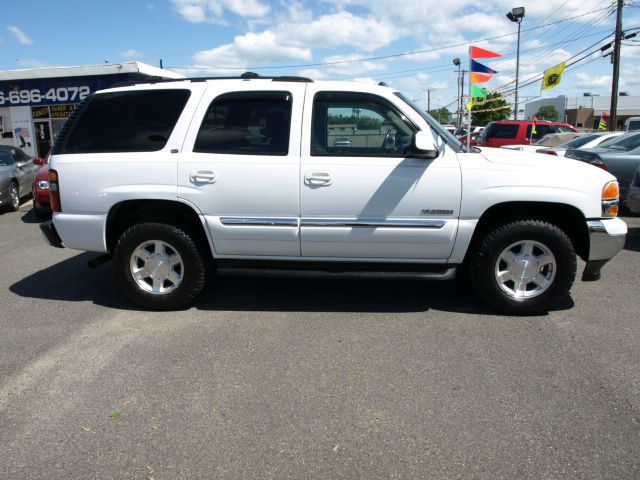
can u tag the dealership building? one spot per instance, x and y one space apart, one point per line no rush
35 103
587 110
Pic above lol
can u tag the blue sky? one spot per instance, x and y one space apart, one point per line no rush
341 39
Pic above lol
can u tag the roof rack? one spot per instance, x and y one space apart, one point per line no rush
244 76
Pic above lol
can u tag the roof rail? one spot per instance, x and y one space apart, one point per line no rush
244 76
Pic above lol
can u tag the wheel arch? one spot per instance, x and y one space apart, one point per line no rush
568 218
127 213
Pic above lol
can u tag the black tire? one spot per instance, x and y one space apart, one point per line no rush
552 261
14 197
191 274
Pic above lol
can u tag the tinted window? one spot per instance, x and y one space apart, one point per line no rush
500 130
19 155
252 123
139 121
563 129
5 158
371 124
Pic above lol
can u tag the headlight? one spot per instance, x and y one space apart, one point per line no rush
610 199
43 185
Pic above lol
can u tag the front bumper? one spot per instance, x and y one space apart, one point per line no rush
50 233
606 239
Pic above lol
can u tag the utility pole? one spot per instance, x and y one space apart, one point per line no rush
462 99
616 69
428 100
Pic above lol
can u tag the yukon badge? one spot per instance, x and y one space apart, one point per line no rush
427 211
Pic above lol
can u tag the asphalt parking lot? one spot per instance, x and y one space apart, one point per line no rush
296 378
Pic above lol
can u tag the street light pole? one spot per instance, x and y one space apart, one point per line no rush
456 61
613 112
516 15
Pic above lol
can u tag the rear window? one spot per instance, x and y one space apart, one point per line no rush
501 130
139 121
580 141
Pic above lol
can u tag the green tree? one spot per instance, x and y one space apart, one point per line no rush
440 114
494 108
548 112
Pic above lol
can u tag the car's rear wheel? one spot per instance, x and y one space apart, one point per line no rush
523 267
159 266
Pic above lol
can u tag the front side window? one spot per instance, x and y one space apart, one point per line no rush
357 124
247 123
541 131
133 121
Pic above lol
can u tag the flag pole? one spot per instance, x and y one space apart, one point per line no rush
469 105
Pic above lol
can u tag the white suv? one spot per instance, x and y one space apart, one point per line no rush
173 177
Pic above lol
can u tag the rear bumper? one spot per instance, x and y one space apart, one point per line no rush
606 239
50 234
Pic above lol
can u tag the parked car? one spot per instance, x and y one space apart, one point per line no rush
17 171
342 142
473 141
519 132
548 141
40 190
633 195
168 180
588 140
620 157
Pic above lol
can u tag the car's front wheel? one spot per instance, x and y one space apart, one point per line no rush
523 267
159 266
14 197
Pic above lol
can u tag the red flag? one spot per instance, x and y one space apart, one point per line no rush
477 52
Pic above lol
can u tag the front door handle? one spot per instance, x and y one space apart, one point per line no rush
203 176
317 178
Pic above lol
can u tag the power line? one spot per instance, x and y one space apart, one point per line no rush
396 55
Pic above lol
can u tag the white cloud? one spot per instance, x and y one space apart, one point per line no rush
348 67
587 80
199 11
32 63
251 49
312 73
20 36
132 54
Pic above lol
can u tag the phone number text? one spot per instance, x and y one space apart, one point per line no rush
62 94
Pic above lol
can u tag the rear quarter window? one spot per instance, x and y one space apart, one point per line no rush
135 121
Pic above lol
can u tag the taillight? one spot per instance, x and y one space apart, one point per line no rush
597 162
550 152
54 191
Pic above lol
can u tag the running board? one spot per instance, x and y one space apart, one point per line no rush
337 270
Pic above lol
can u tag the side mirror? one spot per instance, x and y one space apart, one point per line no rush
39 161
422 146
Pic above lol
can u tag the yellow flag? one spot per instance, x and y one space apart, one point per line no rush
553 76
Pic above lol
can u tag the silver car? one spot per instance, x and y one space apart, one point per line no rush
17 172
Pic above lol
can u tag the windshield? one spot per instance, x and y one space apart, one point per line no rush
580 141
5 158
433 123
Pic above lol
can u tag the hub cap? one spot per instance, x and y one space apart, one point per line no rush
15 198
157 267
525 269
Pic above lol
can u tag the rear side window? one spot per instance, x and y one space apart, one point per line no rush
140 121
5 158
501 130
246 123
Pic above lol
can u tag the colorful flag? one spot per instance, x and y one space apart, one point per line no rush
553 76
480 73
533 128
477 52
603 121
478 92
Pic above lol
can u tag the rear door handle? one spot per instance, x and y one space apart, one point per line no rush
203 176
318 178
